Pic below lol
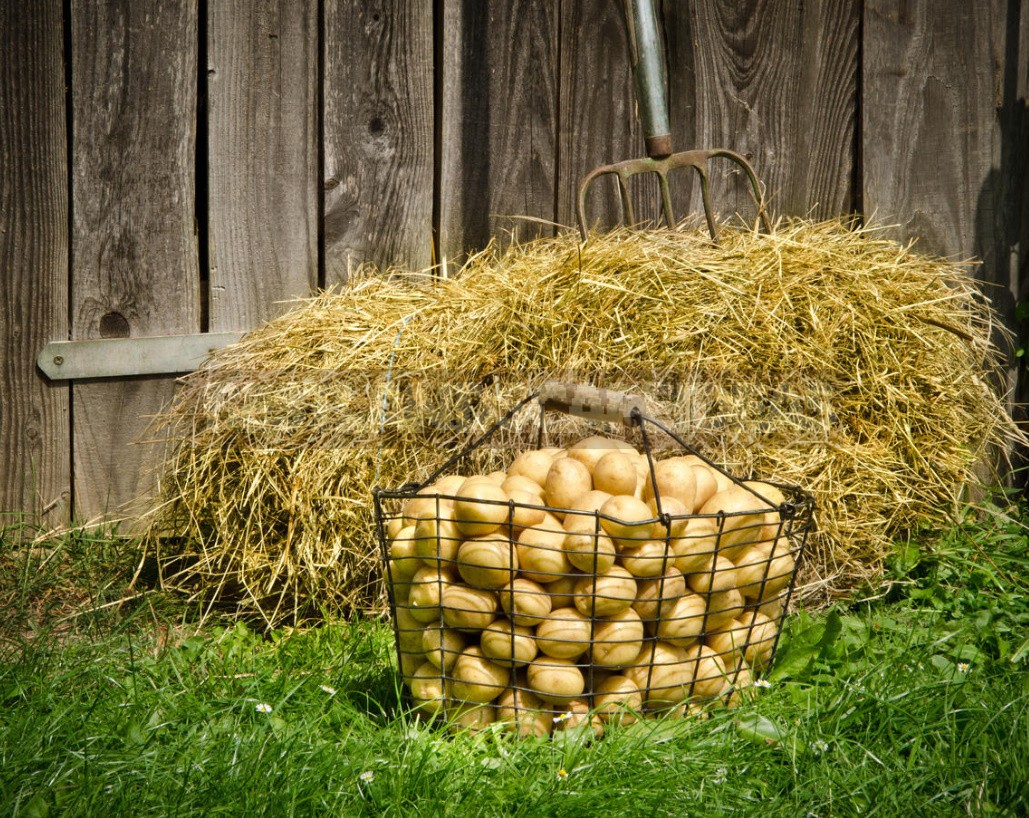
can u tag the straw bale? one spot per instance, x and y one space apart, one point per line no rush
821 355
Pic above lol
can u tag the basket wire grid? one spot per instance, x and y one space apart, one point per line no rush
570 617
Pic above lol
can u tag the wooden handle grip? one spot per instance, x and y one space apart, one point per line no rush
591 402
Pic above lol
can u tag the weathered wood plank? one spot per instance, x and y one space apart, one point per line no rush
774 80
35 476
598 123
262 63
378 137
134 249
932 82
498 121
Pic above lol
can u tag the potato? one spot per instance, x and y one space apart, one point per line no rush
527 509
760 641
648 560
675 478
586 549
525 602
541 553
517 482
481 507
466 608
489 561
605 594
556 681
678 516
576 715
428 688
765 569
507 644
470 717
617 640
562 591
442 645
684 622
588 503
747 519
617 700
532 465
436 540
663 673
425 504
403 563
709 677
566 482
654 597
707 482
474 678
590 450
426 594
724 606
564 634
713 580
409 631
615 473
695 550
523 712
629 521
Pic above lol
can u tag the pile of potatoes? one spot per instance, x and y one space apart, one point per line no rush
571 590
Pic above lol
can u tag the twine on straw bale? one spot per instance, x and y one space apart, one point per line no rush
820 355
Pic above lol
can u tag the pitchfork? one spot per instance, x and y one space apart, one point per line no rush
645 55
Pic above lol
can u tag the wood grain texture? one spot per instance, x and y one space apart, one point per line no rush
774 80
262 63
498 124
134 248
932 82
35 473
598 123
377 134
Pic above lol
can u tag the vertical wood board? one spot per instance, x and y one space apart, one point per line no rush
134 248
776 81
498 123
377 134
262 96
35 478
598 123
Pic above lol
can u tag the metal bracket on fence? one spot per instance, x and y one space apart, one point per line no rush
121 357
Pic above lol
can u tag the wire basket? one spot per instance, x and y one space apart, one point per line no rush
516 601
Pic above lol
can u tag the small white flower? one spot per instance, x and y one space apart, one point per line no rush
762 683
963 667
562 717
721 774
819 746
368 776
330 690
261 707
562 774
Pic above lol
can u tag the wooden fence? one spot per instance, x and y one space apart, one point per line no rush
175 167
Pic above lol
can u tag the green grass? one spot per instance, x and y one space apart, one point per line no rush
915 702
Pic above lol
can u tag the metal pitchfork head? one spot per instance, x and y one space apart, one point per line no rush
645 56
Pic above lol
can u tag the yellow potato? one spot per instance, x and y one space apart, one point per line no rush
605 594
427 592
654 597
675 478
525 602
442 645
474 678
564 634
533 465
649 559
523 712
508 644
587 550
468 609
617 640
481 507
566 482
629 521
617 700
489 561
615 473
541 553
684 622
556 681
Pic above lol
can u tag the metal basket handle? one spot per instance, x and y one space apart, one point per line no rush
591 402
